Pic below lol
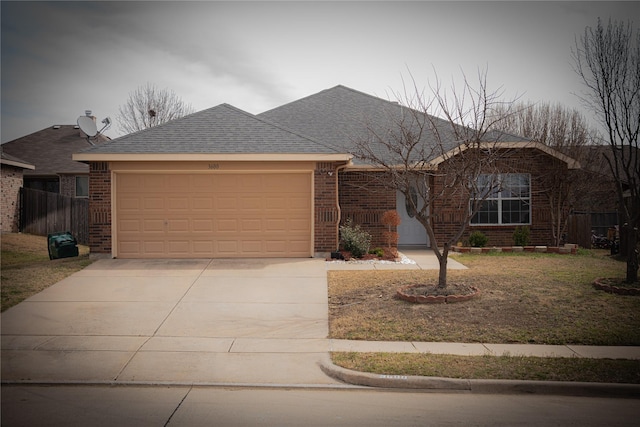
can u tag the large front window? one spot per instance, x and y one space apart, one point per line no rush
507 200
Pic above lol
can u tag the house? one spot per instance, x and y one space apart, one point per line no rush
226 183
342 117
12 171
50 150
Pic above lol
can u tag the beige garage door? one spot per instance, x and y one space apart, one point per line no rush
221 215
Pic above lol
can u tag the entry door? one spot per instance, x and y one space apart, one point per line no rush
410 231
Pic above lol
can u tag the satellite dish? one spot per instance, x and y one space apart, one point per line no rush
88 126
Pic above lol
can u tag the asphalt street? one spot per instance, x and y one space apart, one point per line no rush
215 406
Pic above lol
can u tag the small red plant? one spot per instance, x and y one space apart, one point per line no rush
391 219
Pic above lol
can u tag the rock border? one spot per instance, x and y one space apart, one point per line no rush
612 289
434 299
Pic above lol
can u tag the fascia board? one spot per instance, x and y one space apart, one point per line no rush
258 157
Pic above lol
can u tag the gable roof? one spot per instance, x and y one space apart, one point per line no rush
343 117
221 132
50 150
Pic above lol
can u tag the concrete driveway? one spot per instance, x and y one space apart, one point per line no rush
174 321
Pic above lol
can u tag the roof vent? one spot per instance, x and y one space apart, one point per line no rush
87 113
56 127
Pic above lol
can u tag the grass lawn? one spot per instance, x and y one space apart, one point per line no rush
525 298
27 270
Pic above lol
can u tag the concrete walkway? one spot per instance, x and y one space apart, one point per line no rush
208 322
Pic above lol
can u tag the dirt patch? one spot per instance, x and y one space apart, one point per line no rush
434 290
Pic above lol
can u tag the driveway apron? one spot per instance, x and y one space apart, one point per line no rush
195 321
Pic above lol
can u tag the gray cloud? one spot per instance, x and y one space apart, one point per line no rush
60 58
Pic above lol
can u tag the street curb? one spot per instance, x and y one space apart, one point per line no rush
563 388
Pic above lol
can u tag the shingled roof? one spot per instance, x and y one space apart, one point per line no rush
50 150
223 129
343 118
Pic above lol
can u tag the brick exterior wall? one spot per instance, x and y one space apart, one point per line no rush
447 212
364 198
99 208
10 204
326 209
68 185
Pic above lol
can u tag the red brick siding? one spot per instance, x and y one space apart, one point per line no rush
364 198
100 208
447 212
326 209
10 203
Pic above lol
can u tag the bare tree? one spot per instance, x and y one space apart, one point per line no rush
608 61
566 131
149 106
431 159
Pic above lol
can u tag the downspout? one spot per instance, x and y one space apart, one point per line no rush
337 172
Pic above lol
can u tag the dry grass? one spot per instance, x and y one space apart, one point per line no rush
525 298
493 367
27 270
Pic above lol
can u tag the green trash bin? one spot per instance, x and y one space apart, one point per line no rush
62 245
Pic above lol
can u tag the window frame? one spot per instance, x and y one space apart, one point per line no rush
81 196
500 197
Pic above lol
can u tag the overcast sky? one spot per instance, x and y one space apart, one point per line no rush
62 58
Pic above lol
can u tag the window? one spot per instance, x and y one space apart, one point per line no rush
508 200
82 186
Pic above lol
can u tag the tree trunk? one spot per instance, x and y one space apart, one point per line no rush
442 274
632 254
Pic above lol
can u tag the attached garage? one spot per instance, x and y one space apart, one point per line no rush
213 214
220 183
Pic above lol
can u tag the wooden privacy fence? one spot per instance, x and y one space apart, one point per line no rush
42 213
581 224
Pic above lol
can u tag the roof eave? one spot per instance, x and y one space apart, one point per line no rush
571 163
212 157
18 164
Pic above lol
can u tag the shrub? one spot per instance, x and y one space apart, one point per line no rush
390 219
379 252
521 236
477 239
354 239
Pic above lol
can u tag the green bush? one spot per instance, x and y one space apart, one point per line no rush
354 239
379 252
521 236
478 240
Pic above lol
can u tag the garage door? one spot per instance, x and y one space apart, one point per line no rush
219 215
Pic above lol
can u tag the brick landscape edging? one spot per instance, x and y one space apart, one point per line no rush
619 290
434 299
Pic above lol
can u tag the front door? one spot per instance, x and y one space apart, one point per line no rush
410 231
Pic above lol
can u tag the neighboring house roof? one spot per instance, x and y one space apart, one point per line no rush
343 118
221 132
50 150
8 159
